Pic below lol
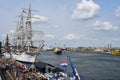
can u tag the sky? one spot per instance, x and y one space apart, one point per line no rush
72 23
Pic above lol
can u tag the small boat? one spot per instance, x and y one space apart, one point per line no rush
115 52
57 50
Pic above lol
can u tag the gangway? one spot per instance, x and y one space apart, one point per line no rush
10 76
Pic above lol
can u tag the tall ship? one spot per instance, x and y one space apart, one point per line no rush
25 42
21 53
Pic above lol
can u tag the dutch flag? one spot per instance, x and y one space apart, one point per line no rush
64 64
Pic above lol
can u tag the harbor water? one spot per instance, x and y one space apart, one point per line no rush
90 66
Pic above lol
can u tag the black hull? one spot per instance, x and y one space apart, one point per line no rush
58 52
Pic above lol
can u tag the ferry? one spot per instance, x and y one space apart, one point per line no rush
58 50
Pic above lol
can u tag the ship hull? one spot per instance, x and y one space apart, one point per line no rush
21 57
59 52
115 52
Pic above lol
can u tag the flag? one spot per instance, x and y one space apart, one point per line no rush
64 64
24 11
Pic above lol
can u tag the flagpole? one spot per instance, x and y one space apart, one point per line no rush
75 73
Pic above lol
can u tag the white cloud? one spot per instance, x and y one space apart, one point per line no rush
90 39
114 40
85 10
106 26
50 36
71 37
4 35
12 32
118 11
39 19
81 37
86 38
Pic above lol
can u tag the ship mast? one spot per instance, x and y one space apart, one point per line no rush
24 33
29 28
21 31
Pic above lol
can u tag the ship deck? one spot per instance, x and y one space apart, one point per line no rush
11 69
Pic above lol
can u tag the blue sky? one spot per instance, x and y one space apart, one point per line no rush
71 22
